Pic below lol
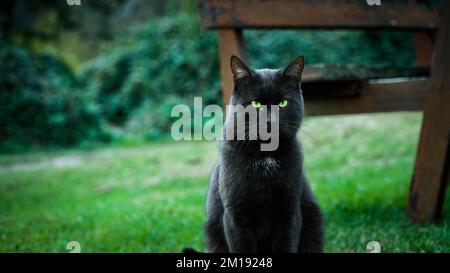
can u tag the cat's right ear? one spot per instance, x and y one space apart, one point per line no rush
239 69
295 68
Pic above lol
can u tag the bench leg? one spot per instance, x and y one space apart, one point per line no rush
432 166
231 42
424 48
431 170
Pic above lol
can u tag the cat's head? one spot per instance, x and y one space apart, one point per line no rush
280 87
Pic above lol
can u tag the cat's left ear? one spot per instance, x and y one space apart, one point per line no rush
295 68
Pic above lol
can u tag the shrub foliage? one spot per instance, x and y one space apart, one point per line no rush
130 88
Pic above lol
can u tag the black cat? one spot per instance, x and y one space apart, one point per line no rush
260 201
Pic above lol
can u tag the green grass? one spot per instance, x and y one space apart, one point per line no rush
150 198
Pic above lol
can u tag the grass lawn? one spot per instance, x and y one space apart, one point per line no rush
150 198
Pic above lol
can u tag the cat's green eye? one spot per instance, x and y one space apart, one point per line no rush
256 104
283 103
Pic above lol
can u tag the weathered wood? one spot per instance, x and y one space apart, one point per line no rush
231 42
423 47
432 166
371 97
342 72
315 14
344 92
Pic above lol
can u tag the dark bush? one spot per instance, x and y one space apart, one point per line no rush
274 48
172 59
40 102
129 90
153 67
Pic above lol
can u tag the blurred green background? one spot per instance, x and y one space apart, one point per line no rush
106 71
86 93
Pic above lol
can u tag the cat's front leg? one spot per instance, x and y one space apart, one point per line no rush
287 235
239 238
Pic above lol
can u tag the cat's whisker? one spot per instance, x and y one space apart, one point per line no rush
302 131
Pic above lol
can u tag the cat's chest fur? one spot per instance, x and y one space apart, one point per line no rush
259 188
266 166
256 171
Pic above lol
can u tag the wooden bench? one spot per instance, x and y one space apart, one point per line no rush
348 89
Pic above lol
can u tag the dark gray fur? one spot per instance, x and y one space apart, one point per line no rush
261 201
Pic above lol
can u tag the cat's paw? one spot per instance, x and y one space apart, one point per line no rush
189 250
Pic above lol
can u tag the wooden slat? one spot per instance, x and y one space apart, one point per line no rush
432 166
315 14
371 98
341 72
231 42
